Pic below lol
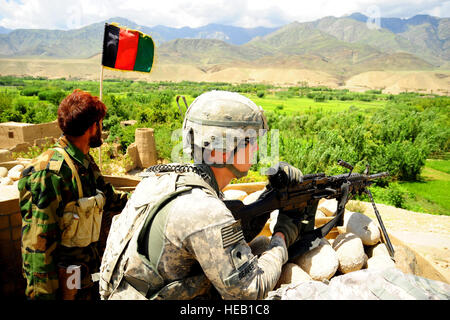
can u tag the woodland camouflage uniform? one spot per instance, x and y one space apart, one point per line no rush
46 187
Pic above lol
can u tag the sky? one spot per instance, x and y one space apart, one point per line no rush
73 14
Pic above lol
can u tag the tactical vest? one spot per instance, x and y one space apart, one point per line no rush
126 272
81 220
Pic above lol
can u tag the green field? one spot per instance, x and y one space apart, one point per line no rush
431 194
304 104
439 165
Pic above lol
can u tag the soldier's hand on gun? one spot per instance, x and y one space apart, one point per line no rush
283 174
288 226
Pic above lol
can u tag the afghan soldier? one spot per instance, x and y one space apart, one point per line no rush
62 199
176 239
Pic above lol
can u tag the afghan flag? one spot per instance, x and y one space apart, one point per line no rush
126 49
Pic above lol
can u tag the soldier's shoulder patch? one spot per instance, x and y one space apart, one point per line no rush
49 159
55 165
232 234
56 161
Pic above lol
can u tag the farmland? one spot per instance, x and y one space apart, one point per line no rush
406 134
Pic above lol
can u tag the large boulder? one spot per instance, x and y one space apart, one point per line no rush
15 172
328 207
320 263
6 181
377 250
362 226
292 273
252 197
380 262
350 252
3 172
234 194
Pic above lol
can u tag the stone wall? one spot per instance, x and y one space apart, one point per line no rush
40 131
12 283
15 133
11 134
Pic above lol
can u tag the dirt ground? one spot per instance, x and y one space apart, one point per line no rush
427 234
433 81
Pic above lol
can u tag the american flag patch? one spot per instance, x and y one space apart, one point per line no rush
232 234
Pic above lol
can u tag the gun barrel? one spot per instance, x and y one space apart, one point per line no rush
378 175
313 176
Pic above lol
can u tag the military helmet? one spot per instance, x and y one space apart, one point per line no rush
221 120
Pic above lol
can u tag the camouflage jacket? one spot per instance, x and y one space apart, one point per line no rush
46 186
196 231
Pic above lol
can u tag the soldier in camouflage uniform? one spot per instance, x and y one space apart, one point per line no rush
176 239
62 199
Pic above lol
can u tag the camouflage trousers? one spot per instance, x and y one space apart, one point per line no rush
87 289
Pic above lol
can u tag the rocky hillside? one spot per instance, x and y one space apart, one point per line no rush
421 42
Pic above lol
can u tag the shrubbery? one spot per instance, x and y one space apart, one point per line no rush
22 109
398 139
30 91
53 96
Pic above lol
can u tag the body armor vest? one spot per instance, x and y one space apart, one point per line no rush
126 272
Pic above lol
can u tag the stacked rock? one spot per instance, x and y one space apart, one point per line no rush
234 195
11 176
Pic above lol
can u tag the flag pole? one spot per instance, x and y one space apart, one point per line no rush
101 99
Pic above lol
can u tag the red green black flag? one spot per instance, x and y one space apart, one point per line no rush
126 49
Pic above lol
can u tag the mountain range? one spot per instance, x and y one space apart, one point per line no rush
338 45
4 30
86 41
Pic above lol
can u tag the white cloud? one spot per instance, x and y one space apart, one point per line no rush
59 14
442 10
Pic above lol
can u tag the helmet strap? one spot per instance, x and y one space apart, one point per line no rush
232 168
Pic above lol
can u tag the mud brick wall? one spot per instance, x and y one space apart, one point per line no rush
12 283
16 133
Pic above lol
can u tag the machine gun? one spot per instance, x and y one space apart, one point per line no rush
300 200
